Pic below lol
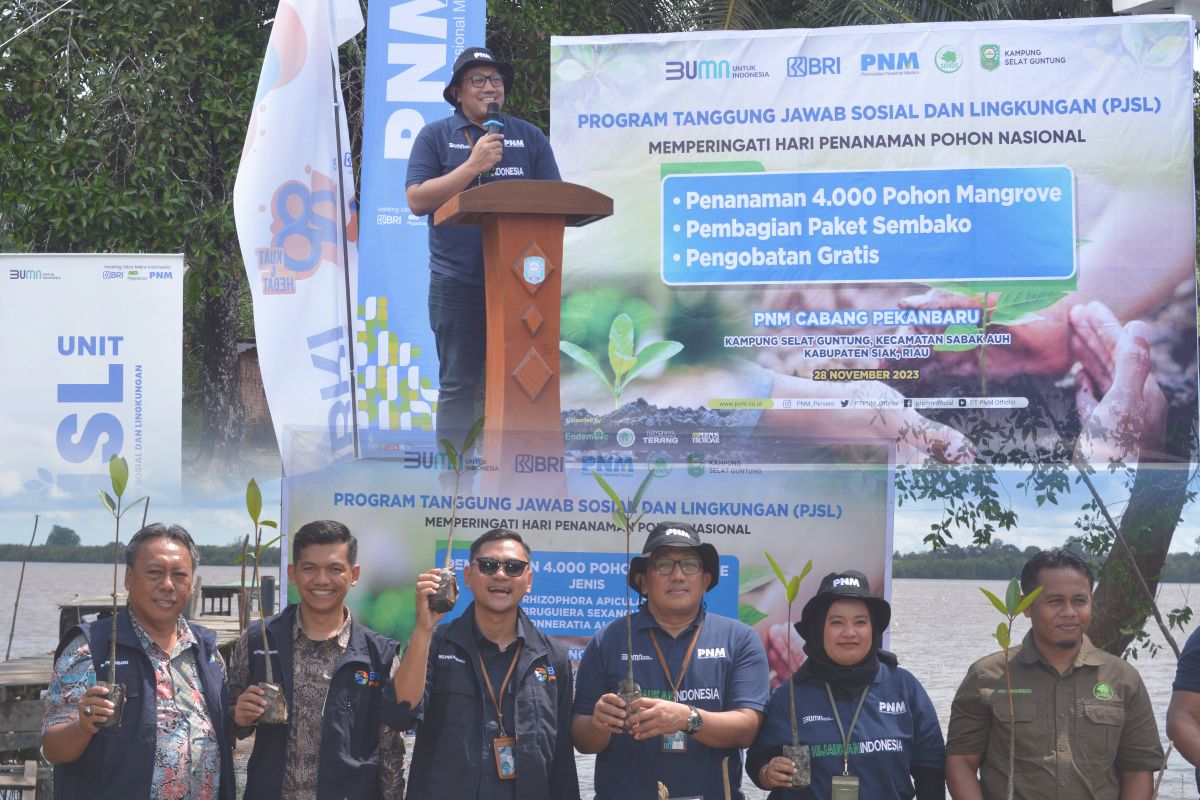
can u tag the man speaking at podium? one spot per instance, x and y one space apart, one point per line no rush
473 146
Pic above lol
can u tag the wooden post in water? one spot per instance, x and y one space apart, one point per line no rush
28 551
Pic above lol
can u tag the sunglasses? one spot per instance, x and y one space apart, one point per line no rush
513 567
665 566
496 79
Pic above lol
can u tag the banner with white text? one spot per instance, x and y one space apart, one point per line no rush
97 370
969 238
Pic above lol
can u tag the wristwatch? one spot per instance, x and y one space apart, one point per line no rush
694 721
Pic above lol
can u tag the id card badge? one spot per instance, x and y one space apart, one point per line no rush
845 787
674 742
505 750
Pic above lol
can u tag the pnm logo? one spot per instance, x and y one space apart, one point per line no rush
528 462
880 63
304 222
705 70
803 66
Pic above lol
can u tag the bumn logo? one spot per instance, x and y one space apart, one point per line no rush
706 70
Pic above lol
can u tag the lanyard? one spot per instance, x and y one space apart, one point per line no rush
503 684
846 735
687 657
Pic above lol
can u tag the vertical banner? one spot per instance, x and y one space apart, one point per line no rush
286 200
411 47
96 371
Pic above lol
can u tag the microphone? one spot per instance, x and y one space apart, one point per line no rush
493 123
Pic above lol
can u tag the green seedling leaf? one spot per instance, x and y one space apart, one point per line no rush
1014 307
263 547
958 330
793 588
269 523
641 490
253 500
620 348
108 502
807 569
239 559
619 518
778 572
472 435
749 615
118 471
608 490
133 505
996 601
1028 601
1003 635
1012 596
451 454
752 576
584 359
650 355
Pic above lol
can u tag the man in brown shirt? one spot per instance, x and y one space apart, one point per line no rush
1084 725
342 737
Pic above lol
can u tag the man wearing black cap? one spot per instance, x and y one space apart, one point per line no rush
448 157
703 680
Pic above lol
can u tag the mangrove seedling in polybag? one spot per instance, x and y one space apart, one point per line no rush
446 596
118 474
627 690
800 755
276 712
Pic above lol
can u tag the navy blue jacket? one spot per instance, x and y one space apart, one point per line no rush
450 752
349 759
118 763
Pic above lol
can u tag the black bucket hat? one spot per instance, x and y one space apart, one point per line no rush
472 57
675 534
848 585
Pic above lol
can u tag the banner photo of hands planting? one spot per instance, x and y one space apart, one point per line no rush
944 236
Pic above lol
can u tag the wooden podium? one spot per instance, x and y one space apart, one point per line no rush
522 224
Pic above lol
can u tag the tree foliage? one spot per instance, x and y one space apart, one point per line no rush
62 537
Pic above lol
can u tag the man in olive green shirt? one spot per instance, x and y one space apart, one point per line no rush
1084 725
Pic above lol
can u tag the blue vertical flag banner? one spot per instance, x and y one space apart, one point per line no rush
411 47
291 222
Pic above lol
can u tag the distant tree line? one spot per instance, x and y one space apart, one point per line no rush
1000 561
62 546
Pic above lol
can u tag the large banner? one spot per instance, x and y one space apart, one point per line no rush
976 240
294 202
410 50
95 368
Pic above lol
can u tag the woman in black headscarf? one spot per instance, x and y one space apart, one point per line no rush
869 727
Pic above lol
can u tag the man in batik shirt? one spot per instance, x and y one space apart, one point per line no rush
170 743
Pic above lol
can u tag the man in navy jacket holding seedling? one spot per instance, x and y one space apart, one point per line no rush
342 737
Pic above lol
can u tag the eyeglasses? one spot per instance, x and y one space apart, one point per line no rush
513 567
665 566
495 79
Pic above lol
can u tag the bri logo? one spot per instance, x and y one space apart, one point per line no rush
804 66
893 708
706 70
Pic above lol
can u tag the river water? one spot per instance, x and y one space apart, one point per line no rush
938 628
